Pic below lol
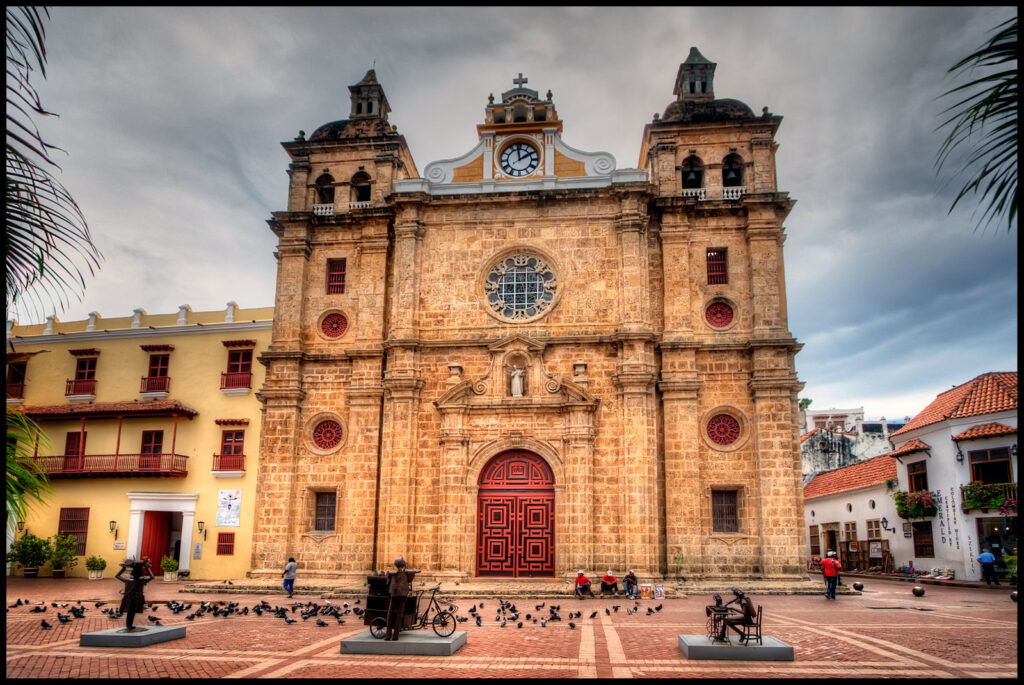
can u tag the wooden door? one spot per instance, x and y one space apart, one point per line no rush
156 538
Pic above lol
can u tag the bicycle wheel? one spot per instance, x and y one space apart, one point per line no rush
444 624
379 627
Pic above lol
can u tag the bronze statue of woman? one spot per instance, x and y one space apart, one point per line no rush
133 601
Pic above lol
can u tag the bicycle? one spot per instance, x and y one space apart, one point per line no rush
443 620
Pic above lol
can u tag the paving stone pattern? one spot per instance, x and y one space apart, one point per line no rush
884 633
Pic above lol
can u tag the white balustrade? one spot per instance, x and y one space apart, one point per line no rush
359 205
698 193
734 193
323 210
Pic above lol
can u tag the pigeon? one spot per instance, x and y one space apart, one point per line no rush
502 623
45 624
357 602
606 612
658 608
615 607
481 605
519 625
38 610
528 617
53 604
340 621
650 611
478 621
572 626
190 617
289 620
153 619
593 615
539 606
62 618
543 623
157 622
14 606
345 604
321 623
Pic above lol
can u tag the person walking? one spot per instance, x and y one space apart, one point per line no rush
289 576
988 567
830 567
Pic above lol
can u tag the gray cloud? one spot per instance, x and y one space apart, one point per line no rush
172 118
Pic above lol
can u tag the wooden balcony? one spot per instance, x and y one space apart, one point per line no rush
228 462
241 379
1005 491
114 465
16 390
155 384
80 387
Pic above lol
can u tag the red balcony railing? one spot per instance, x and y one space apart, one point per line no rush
114 465
241 379
155 384
16 390
229 462
81 387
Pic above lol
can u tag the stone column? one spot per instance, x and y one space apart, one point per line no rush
779 493
764 239
578 506
684 491
359 491
454 461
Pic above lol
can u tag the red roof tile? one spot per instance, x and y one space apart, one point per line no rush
986 394
914 445
808 434
870 472
985 430
109 409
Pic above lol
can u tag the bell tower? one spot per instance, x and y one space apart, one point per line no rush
696 78
368 99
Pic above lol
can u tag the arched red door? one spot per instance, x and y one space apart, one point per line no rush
516 517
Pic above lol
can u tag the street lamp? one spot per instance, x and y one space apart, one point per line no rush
113 528
200 524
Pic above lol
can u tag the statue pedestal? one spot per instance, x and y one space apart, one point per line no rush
114 637
419 642
700 647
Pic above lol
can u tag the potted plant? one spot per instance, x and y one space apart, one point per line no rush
913 505
95 565
982 496
29 552
62 554
170 567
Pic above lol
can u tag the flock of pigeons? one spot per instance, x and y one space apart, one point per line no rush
506 613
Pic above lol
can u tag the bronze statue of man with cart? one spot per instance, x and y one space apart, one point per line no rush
392 607
721 617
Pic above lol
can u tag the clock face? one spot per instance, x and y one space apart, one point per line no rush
519 159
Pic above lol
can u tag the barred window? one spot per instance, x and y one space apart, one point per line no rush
335 276
718 272
725 511
75 522
850 531
158 365
874 529
815 542
325 503
85 369
239 361
225 543
924 546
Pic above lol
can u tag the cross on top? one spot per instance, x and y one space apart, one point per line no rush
520 81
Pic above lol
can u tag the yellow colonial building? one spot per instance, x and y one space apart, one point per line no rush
153 426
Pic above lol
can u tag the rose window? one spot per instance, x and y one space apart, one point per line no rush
723 429
327 434
334 325
718 314
520 287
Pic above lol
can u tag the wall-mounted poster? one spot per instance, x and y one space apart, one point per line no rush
908 530
229 504
875 550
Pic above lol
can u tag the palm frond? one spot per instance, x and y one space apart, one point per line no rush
26 481
984 120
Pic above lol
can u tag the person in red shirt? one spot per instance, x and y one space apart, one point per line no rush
583 585
830 566
609 584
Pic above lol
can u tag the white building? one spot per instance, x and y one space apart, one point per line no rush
968 434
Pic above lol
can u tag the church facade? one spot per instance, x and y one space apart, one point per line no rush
527 361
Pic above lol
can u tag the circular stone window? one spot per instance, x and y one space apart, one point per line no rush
334 325
327 434
520 287
718 315
723 429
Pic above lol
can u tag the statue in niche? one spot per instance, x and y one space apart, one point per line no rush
515 383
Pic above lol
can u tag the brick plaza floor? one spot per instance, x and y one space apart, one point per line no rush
884 633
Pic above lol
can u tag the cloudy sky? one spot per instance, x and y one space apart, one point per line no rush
172 119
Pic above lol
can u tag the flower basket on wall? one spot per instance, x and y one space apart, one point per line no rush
916 505
984 496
